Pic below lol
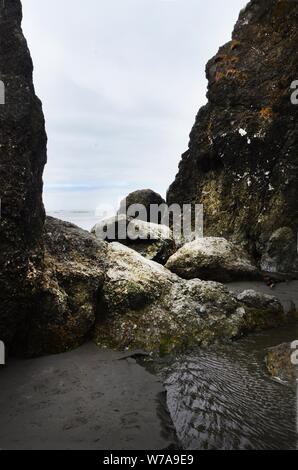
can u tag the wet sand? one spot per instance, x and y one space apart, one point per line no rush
84 399
93 399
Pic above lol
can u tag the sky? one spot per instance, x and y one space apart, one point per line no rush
121 82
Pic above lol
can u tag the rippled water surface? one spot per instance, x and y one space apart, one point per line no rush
223 398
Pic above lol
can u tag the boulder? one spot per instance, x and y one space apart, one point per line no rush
280 364
144 197
23 144
145 306
241 163
65 291
152 241
213 259
87 288
262 311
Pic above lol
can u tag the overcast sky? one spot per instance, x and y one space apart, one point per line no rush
121 82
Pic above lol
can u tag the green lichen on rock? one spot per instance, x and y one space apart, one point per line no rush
213 259
172 314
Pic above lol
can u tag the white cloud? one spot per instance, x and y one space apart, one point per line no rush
121 82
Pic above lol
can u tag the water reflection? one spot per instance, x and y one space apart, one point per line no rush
222 398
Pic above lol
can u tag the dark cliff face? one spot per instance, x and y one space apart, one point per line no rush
242 162
22 159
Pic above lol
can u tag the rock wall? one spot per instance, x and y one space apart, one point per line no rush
22 159
242 157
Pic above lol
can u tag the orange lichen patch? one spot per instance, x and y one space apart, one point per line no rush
266 114
236 74
230 74
226 67
219 76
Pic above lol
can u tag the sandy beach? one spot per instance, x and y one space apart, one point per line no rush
84 399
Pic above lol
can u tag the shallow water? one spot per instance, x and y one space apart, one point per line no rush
286 292
223 398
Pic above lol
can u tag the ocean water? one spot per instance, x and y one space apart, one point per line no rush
83 219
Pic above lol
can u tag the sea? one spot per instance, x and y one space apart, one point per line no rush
83 219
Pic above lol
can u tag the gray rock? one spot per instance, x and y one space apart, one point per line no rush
262 311
90 288
144 305
257 300
212 259
144 197
280 254
152 241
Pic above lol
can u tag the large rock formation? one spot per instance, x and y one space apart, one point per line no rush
59 285
87 288
22 158
242 157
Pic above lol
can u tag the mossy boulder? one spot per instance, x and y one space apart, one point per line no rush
65 291
262 311
144 305
153 241
88 288
213 259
